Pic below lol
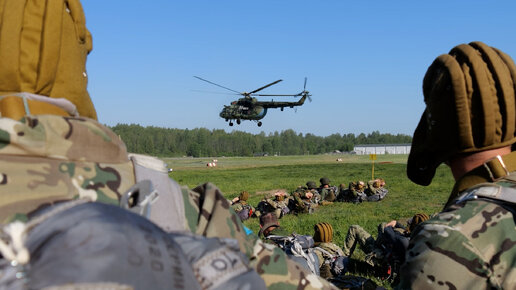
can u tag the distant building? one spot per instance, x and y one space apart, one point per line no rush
382 149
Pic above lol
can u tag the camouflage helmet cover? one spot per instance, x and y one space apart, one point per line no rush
311 185
325 181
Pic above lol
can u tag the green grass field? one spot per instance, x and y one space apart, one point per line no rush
260 175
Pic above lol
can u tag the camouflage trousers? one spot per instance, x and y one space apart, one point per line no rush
357 235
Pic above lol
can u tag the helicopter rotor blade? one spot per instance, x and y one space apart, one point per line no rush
217 85
212 92
273 83
304 87
264 95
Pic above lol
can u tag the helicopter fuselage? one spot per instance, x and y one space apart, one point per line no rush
243 112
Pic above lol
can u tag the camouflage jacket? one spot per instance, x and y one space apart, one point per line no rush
326 254
371 189
470 245
48 159
241 205
325 251
329 193
299 204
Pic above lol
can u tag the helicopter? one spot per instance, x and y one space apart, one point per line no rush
249 108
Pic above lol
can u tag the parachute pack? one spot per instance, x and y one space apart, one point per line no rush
94 245
299 248
245 213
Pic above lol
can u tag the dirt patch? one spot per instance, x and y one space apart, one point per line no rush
270 191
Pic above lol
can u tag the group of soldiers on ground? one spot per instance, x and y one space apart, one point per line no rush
317 252
305 199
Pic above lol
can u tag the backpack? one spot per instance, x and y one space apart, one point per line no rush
43 50
334 264
393 244
300 249
379 195
246 212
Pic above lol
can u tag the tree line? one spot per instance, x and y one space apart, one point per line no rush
201 142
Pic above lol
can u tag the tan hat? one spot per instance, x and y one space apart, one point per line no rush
244 195
470 107
323 233
416 220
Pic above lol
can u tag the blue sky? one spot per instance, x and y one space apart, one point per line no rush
364 60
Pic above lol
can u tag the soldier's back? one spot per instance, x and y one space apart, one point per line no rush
475 241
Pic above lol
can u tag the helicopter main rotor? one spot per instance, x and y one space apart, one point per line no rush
245 94
303 93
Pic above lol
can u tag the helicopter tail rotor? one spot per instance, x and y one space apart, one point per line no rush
305 92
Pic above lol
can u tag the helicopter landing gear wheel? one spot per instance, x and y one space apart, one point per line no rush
238 121
230 123
259 124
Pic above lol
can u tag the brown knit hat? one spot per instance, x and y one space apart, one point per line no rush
323 233
244 195
470 107
266 221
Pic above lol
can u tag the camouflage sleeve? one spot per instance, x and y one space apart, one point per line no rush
469 248
237 207
209 214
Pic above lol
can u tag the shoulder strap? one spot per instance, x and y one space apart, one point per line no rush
490 191
325 252
168 212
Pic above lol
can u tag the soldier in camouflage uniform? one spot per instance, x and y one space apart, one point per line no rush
312 187
241 207
269 225
281 200
354 193
327 252
469 124
383 255
328 192
303 200
376 190
53 150
266 205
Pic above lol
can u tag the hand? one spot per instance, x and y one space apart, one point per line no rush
391 224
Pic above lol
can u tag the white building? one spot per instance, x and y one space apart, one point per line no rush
382 149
